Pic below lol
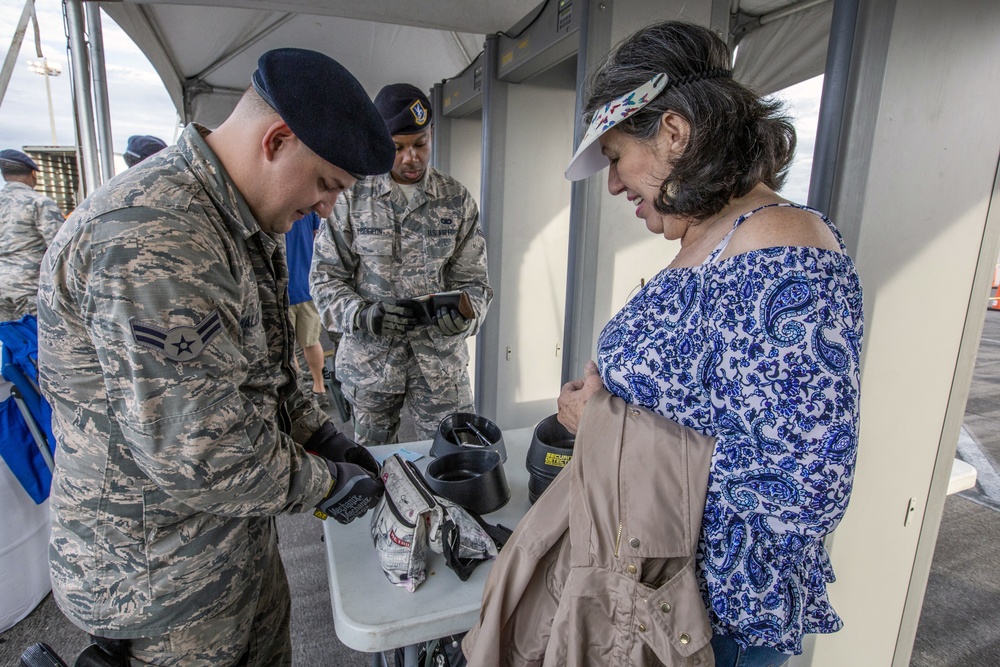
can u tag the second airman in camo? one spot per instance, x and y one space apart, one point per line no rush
28 222
402 234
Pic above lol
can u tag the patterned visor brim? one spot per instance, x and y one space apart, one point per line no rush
588 159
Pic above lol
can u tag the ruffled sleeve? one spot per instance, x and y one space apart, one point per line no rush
781 371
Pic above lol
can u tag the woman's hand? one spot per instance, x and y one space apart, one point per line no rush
574 396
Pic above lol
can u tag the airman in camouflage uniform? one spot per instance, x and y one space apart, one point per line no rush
28 222
165 353
381 245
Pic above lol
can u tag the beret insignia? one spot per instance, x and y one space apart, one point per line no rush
419 112
177 343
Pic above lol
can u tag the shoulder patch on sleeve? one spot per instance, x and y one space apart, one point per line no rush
177 343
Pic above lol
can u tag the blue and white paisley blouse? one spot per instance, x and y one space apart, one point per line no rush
762 351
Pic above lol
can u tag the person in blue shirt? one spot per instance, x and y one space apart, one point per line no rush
301 310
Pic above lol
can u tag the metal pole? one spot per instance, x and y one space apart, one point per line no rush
48 95
488 350
441 137
831 110
100 78
84 107
585 205
15 47
577 211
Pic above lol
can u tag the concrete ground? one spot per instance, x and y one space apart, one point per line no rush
960 620
959 624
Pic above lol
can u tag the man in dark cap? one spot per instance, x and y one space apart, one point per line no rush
166 354
28 222
400 235
140 147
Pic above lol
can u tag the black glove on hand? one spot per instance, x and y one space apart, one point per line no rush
336 447
450 322
354 491
385 319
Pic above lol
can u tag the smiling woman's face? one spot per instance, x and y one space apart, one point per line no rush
637 170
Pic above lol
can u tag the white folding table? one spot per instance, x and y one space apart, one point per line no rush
372 615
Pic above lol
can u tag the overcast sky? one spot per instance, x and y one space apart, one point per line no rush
803 104
140 105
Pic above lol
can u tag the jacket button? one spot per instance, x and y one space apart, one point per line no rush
634 543
665 607
642 628
631 569
685 639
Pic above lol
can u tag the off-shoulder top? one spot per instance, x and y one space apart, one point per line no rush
762 351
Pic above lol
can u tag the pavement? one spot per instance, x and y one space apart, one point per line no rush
960 620
959 624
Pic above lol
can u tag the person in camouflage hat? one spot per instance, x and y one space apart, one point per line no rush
28 222
166 355
400 235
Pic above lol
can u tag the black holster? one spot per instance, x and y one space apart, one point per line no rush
104 652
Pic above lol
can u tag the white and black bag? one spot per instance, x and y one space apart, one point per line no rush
409 518
399 525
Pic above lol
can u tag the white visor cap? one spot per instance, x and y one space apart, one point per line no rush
589 159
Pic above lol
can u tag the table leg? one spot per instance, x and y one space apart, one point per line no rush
411 655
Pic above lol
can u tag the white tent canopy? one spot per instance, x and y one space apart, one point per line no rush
205 54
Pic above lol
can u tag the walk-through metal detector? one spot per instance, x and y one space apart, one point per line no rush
457 142
563 257
524 92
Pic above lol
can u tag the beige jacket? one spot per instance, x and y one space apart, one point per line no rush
601 571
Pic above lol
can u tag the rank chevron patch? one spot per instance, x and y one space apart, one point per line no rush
177 343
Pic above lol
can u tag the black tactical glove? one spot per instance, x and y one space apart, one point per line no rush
353 492
450 322
336 447
384 319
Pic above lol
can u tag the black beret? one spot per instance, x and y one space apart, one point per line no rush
404 107
141 146
19 159
327 109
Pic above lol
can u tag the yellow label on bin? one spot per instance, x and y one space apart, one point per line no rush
557 460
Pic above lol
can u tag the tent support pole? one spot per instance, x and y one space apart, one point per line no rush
102 108
80 77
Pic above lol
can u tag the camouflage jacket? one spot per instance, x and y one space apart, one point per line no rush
165 353
28 222
378 247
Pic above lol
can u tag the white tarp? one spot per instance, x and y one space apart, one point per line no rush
205 54
785 52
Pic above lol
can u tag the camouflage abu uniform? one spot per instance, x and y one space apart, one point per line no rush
28 222
378 247
165 352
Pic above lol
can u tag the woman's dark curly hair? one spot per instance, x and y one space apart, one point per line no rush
737 139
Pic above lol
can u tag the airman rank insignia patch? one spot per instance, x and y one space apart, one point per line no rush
419 112
177 343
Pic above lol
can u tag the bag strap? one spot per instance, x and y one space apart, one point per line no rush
450 540
498 532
